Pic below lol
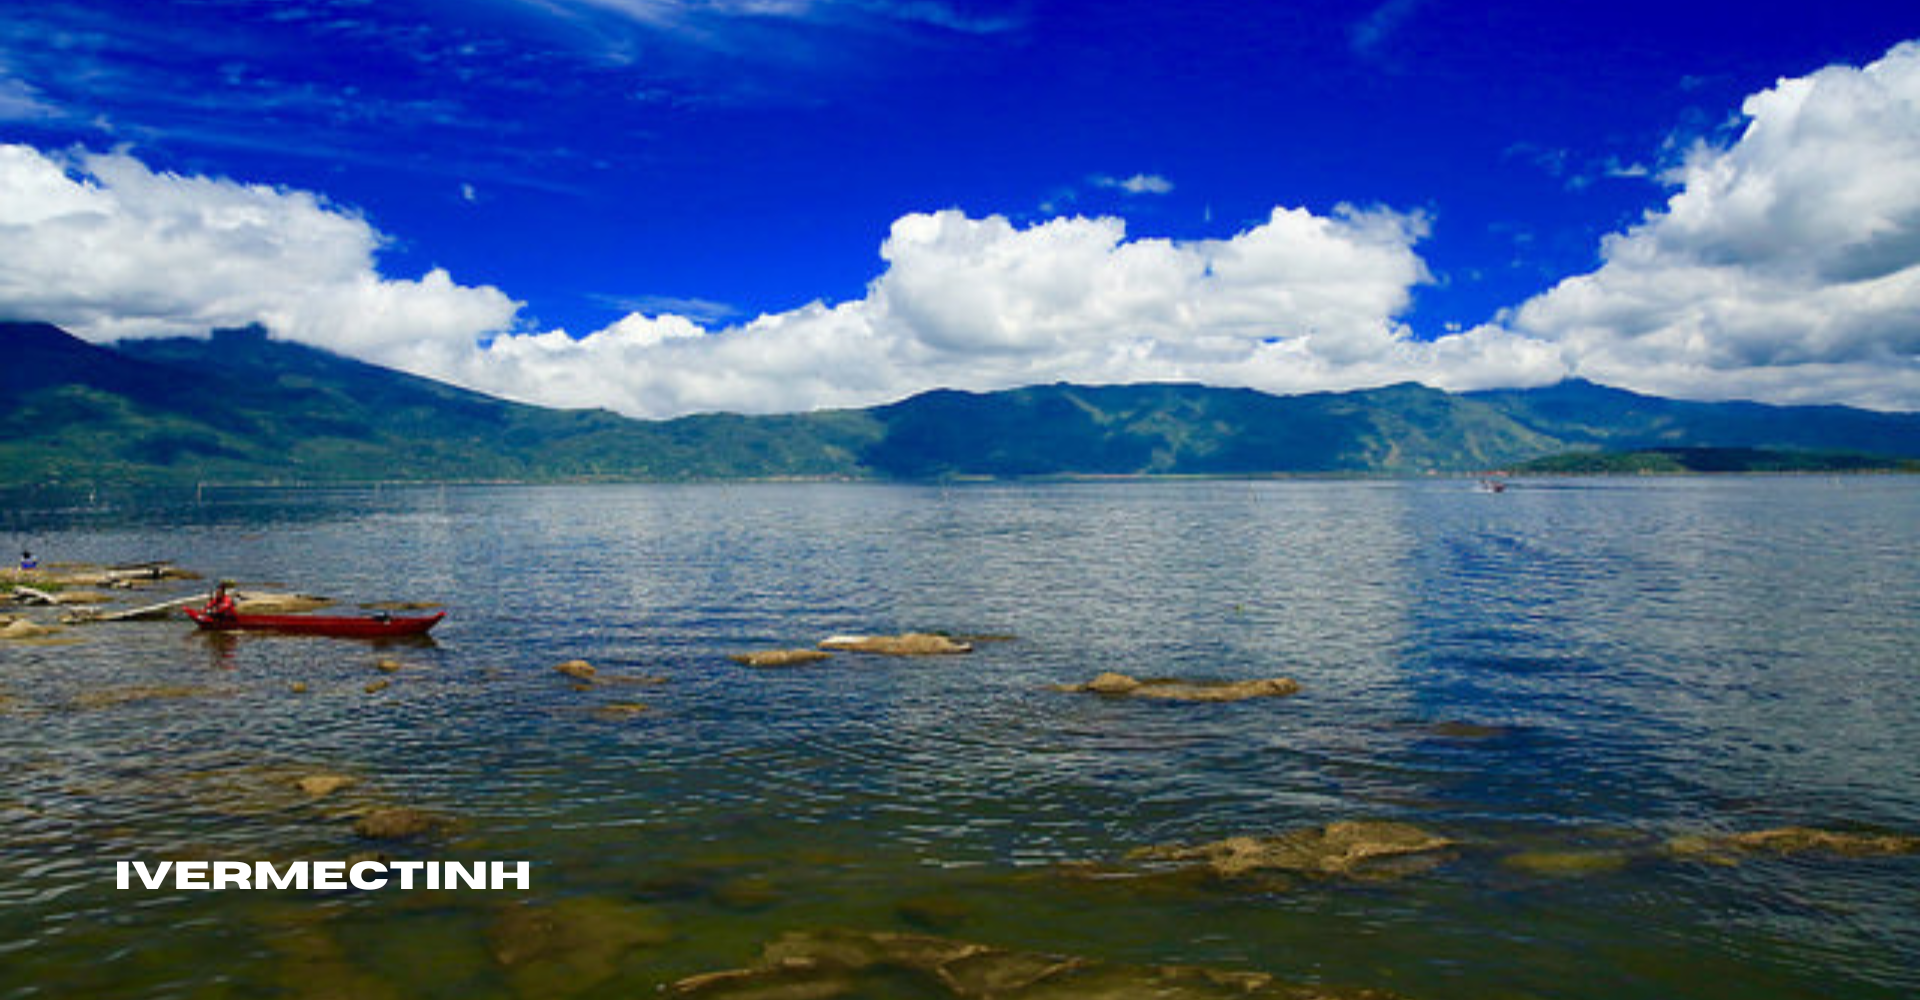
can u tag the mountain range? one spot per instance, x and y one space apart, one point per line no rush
242 407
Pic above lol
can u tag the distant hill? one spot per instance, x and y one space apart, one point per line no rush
240 406
1595 416
1192 430
1663 461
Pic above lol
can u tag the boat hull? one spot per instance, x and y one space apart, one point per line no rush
345 626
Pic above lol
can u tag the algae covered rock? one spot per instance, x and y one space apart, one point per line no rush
571 946
400 823
818 964
906 644
933 911
1732 847
1346 848
1174 689
1566 864
781 657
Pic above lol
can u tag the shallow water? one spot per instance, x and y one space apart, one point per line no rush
1639 660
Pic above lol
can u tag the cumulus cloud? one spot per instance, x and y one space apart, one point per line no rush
1786 267
107 248
1300 302
1137 184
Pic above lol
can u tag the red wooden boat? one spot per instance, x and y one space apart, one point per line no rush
346 626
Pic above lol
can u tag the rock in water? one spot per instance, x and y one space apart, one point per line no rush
399 823
20 628
1730 848
907 644
320 785
1566 864
572 945
781 657
1111 683
833 963
576 669
1344 848
1175 689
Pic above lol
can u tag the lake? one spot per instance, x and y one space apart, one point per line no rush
1582 686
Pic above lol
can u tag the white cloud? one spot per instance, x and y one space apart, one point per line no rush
104 246
1786 267
19 101
1300 302
1137 184
107 248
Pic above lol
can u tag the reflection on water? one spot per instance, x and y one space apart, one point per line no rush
1570 673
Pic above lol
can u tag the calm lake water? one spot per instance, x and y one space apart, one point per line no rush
1635 660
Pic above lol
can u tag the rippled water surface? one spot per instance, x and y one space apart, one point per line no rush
1578 671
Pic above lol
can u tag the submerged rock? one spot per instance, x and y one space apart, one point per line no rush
748 892
1456 730
810 965
375 687
272 789
933 912
1174 689
1730 848
644 679
400 823
311 964
1566 864
109 697
907 644
781 657
570 946
388 665
320 785
1347 848
620 711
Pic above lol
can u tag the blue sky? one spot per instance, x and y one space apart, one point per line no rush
779 204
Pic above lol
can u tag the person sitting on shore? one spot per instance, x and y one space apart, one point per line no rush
27 562
220 604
